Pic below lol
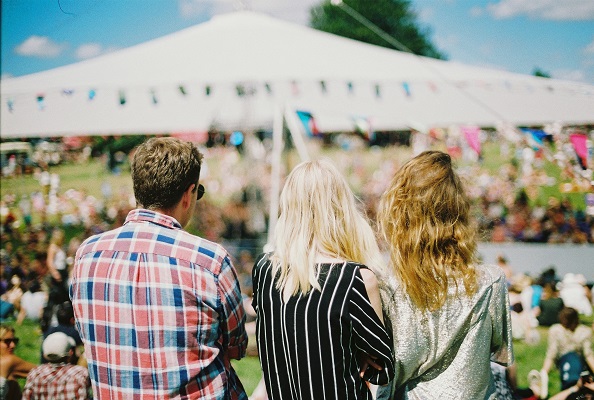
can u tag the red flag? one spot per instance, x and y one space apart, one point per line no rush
578 141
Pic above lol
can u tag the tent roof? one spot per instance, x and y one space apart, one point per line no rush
276 63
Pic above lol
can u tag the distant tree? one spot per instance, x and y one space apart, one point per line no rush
539 72
395 17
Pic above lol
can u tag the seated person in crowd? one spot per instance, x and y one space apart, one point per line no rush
60 378
550 305
569 348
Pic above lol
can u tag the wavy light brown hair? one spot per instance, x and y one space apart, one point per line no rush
424 218
162 170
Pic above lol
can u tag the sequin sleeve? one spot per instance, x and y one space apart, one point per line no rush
501 339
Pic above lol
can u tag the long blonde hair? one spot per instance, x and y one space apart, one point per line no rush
424 218
319 214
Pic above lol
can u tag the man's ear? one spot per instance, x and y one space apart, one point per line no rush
187 196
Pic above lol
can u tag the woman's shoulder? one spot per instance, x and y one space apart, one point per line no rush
8 361
490 274
262 261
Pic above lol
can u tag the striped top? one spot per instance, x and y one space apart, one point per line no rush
309 345
159 311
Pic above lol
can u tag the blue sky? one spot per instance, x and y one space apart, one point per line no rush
556 36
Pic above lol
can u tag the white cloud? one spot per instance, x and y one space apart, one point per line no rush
589 49
90 50
447 42
194 8
569 74
40 46
566 10
290 10
425 14
476 12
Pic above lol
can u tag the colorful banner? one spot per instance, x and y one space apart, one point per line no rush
471 133
309 123
535 137
578 141
363 127
406 88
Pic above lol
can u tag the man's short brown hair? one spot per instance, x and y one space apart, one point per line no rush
162 170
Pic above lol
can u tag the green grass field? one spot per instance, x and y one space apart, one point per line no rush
528 357
89 176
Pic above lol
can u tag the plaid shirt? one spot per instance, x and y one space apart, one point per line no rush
159 312
57 382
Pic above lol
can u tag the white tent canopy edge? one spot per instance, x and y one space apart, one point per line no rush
234 70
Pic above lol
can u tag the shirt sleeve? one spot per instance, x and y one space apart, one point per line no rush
587 344
553 343
501 338
233 318
371 336
262 258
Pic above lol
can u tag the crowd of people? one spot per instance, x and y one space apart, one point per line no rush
161 311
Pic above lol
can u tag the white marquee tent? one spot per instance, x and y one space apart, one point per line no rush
234 70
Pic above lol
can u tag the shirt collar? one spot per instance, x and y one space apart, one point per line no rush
143 215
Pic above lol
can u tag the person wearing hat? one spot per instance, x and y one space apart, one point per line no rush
58 379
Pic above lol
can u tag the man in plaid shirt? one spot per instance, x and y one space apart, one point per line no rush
59 379
159 310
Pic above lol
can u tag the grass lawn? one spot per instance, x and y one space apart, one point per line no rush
248 369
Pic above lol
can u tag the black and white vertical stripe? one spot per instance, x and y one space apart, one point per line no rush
309 346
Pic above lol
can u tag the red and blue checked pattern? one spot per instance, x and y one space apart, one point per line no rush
159 311
57 382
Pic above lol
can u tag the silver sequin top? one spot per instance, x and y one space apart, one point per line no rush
446 354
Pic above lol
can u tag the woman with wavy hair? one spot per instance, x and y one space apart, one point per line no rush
448 314
319 325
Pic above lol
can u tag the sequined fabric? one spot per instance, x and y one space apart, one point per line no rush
446 354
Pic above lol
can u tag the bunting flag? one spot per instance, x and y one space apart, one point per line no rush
323 87
92 94
240 90
41 102
363 127
154 96
10 104
295 88
406 88
309 123
182 90
122 97
535 137
378 91
580 146
471 133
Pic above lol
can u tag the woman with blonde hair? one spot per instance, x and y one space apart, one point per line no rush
319 324
448 314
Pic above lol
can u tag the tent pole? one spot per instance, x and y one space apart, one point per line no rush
277 150
296 134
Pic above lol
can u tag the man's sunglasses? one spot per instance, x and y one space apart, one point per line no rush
10 340
200 191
